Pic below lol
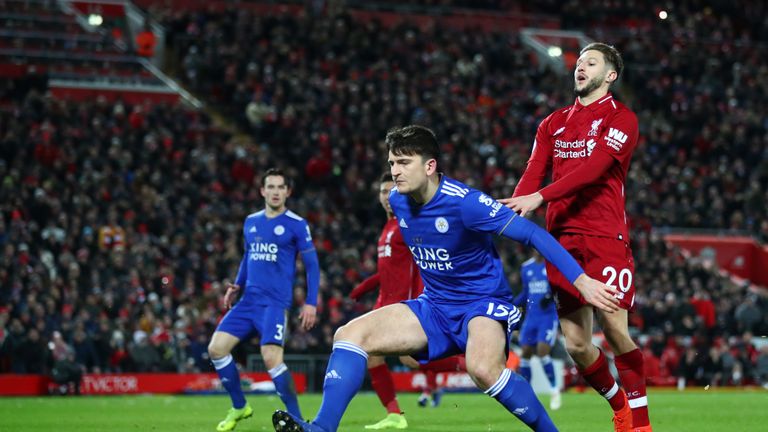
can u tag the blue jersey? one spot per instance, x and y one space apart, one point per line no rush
535 289
268 266
451 239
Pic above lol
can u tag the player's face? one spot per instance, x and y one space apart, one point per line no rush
384 189
275 192
591 73
409 172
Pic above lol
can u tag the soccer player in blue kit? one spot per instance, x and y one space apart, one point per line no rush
467 303
273 238
539 329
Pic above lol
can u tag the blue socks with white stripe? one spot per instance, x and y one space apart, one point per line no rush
230 379
517 396
345 373
285 389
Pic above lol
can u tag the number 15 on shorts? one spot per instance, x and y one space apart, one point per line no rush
500 311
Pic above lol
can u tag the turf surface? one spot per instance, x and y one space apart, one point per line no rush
692 410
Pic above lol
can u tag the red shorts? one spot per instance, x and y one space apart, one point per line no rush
608 260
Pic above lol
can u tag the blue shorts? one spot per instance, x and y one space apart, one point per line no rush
446 325
245 318
539 329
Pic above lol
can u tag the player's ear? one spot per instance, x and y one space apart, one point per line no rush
611 76
431 165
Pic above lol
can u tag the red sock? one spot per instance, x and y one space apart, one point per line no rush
600 378
450 364
382 383
632 377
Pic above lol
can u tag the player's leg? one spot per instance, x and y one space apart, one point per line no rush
629 363
525 362
614 262
455 363
592 363
486 360
220 352
391 330
545 341
384 386
542 351
281 377
272 325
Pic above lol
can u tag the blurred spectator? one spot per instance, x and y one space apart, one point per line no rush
146 42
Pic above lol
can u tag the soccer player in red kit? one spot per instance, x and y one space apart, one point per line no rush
398 279
588 147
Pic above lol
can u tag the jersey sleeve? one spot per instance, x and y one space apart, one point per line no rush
480 212
538 163
242 272
530 234
310 259
304 237
523 295
619 137
588 173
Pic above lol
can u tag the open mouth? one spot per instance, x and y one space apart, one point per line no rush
581 79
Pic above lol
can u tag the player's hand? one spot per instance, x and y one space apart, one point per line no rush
524 204
308 316
597 293
231 294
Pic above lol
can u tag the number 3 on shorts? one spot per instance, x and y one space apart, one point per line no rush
279 333
623 277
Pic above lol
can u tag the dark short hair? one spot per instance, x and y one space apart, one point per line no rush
413 140
276 172
610 53
386 177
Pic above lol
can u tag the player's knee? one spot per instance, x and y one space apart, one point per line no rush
484 374
578 349
216 351
348 333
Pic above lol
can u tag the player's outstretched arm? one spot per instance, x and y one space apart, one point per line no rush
595 293
366 286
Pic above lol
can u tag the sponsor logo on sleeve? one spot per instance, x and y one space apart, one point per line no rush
615 139
492 203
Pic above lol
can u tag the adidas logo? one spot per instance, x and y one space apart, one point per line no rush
332 375
520 411
252 230
403 224
223 380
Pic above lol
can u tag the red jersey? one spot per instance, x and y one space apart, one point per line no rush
589 148
398 277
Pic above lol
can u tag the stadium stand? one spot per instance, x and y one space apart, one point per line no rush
120 220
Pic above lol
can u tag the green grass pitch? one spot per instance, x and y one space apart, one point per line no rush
692 410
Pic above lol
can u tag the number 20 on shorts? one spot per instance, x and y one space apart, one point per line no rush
621 279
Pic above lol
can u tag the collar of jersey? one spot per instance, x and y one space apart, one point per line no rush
594 106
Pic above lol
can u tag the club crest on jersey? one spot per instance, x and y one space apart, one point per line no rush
441 225
595 125
279 230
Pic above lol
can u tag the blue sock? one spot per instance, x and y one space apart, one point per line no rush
230 379
285 389
344 376
517 396
549 370
525 369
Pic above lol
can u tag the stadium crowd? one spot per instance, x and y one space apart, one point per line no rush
120 222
